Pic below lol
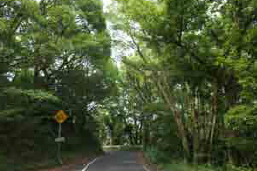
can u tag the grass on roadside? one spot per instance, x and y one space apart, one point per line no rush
186 167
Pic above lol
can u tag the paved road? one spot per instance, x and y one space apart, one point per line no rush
117 161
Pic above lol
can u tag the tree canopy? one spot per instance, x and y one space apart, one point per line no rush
185 87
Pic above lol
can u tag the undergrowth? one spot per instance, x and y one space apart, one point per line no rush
166 162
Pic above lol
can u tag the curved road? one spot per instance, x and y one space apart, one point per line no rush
117 161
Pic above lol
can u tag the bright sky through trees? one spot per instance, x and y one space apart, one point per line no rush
105 4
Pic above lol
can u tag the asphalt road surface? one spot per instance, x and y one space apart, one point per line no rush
117 161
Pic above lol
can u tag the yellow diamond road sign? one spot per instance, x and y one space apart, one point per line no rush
60 116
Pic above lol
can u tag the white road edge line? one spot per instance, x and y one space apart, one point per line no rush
92 162
145 168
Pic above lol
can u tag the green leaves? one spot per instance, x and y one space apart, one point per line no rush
33 95
28 103
201 59
156 108
242 118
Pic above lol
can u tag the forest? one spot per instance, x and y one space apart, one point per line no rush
178 77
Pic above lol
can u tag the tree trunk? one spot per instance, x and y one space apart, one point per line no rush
182 133
196 141
178 119
141 132
213 121
146 138
36 77
196 132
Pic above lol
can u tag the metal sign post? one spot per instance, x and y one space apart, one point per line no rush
60 117
59 144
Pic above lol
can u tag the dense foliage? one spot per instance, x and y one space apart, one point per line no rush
54 55
185 88
194 71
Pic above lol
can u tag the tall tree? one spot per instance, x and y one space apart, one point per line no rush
194 48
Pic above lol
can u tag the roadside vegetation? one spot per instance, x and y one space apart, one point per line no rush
184 87
54 55
189 86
